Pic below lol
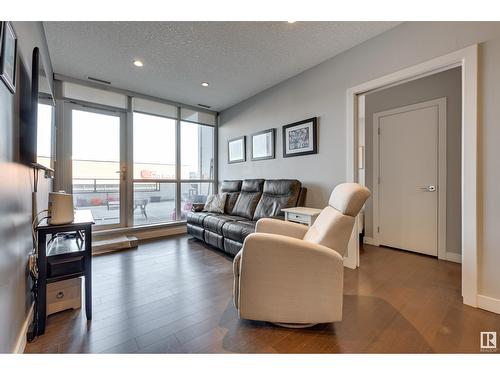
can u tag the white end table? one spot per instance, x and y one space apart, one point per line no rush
302 215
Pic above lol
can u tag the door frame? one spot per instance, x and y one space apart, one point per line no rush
66 172
467 59
441 182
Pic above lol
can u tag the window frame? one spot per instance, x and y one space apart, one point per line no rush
178 181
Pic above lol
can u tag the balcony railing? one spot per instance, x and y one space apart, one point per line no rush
108 185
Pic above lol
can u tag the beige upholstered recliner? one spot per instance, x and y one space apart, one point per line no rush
292 275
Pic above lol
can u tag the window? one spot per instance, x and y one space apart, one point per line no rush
169 177
193 192
197 151
134 161
154 146
154 202
95 162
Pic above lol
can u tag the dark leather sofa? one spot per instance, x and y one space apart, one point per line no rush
247 202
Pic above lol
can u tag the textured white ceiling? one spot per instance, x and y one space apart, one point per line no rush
239 59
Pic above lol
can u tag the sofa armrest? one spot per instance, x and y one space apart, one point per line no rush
284 228
197 207
304 279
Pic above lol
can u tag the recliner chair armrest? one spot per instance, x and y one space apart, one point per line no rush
284 228
197 207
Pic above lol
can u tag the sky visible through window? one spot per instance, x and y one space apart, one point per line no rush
96 137
154 139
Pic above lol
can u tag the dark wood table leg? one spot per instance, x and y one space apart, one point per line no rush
42 283
88 272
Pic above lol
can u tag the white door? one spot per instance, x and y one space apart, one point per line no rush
408 176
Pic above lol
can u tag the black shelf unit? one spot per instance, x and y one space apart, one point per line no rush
64 252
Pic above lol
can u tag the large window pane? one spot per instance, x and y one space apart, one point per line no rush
154 202
197 151
193 193
96 160
154 147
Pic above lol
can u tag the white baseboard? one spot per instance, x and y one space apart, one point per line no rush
370 241
488 303
452 257
21 339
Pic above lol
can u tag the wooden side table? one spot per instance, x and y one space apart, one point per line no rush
64 252
302 215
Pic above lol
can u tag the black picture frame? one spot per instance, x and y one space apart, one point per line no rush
244 151
7 34
272 153
312 125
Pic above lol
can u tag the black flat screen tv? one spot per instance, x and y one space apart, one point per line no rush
37 129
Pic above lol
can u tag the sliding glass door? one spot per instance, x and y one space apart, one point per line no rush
98 173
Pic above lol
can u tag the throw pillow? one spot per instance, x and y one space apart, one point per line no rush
215 203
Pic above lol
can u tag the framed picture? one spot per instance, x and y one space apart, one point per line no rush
300 138
236 150
262 144
8 54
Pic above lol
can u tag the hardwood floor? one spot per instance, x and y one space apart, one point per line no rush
174 296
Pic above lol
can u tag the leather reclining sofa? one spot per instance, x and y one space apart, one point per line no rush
247 201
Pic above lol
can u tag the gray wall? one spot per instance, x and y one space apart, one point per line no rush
15 192
446 84
321 91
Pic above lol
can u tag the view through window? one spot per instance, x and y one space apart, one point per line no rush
154 169
172 165
96 161
156 183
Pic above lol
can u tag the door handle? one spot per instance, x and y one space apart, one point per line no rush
123 174
430 188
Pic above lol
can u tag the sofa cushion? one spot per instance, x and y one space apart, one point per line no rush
215 203
196 218
214 223
196 231
238 230
245 205
231 199
277 194
252 185
214 239
231 186
232 189
232 247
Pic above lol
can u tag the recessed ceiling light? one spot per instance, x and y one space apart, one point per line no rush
138 63
204 84
291 21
